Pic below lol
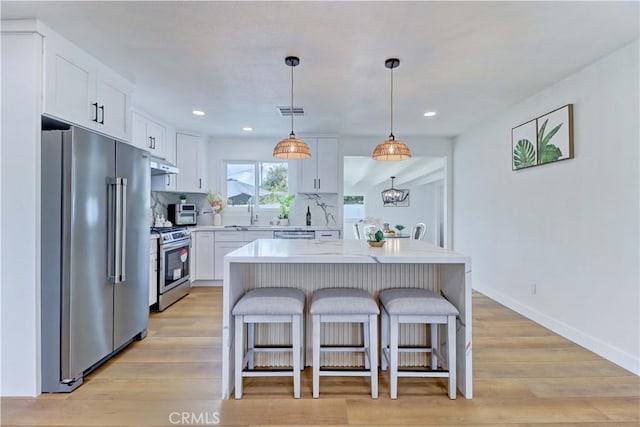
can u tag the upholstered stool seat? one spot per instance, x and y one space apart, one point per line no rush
346 305
417 306
268 305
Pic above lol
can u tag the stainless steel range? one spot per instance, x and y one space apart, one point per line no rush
174 253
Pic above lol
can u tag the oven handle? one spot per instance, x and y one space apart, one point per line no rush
173 245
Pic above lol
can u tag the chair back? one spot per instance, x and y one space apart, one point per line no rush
418 231
357 232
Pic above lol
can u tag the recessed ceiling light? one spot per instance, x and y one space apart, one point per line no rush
430 114
247 128
198 113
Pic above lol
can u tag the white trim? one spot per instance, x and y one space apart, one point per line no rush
601 348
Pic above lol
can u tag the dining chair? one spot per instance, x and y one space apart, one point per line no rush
418 231
357 232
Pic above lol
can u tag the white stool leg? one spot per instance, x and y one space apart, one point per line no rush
451 350
373 352
295 352
434 346
303 344
239 352
384 338
251 343
367 344
393 356
316 356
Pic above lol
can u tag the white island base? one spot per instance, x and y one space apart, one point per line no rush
316 264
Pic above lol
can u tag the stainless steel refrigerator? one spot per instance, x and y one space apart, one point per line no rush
95 251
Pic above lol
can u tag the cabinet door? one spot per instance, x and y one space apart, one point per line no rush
203 261
223 248
153 276
69 87
188 161
156 133
327 234
327 161
113 108
307 171
139 132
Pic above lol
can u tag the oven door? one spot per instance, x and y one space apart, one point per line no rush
174 264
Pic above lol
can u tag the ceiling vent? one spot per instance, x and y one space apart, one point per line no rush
286 111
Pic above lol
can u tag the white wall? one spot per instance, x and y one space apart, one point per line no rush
572 227
20 238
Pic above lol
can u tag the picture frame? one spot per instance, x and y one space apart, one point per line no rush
545 139
524 149
555 135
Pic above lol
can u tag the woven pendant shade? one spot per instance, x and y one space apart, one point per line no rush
291 148
391 150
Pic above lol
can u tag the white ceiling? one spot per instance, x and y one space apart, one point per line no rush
466 60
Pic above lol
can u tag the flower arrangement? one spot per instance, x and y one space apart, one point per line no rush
216 201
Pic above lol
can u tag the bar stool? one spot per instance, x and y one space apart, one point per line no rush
346 305
417 306
268 305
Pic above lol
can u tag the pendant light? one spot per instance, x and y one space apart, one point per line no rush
392 196
291 148
391 149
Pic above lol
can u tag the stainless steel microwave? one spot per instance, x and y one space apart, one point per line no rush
183 214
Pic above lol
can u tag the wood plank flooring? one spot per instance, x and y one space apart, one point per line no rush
524 375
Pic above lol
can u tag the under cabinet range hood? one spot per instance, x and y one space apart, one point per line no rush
161 166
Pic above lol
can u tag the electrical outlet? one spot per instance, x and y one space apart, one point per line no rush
534 289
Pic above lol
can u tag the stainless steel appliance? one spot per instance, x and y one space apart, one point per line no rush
95 251
174 253
294 234
182 214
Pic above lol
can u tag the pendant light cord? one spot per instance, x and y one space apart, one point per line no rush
391 137
292 134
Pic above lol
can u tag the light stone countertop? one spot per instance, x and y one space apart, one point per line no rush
395 251
262 228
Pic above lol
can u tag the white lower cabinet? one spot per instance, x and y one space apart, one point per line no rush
229 241
327 234
203 259
223 248
153 272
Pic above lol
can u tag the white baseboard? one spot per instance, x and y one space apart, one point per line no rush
601 348
206 284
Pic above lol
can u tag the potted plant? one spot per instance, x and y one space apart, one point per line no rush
183 198
285 207
376 239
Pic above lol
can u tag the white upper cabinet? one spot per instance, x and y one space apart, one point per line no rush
191 159
148 135
319 174
81 90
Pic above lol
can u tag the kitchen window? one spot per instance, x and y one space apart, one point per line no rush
254 182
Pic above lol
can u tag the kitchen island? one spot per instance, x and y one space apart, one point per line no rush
316 264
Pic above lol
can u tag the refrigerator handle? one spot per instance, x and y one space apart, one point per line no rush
112 229
118 232
123 229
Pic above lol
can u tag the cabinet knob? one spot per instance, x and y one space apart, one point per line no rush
102 109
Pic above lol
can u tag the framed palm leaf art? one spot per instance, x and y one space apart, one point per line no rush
524 148
546 139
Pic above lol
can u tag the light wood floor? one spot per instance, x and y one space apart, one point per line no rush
524 375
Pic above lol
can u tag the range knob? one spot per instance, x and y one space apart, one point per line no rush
166 237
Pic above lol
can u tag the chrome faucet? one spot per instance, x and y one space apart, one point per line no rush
250 206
